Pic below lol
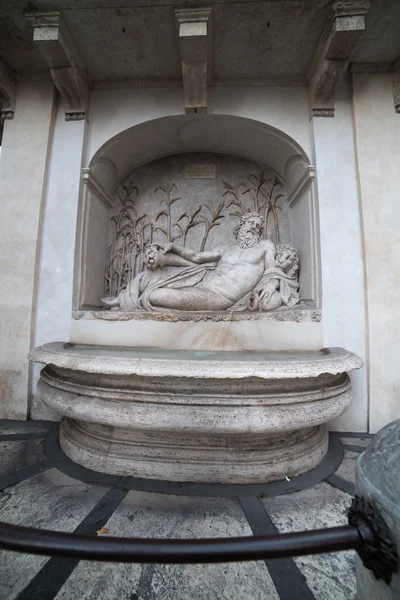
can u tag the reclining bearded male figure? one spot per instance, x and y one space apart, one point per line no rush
213 280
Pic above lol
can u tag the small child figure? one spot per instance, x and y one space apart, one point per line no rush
278 285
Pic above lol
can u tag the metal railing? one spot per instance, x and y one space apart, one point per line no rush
366 533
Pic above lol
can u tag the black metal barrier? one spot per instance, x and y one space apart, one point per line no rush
366 533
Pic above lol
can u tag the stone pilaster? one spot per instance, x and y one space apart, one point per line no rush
23 166
377 133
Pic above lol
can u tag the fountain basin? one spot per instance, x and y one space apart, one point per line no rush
195 416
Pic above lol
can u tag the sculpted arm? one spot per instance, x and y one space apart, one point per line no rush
191 255
269 259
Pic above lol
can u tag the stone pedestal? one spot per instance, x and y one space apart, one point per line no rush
378 481
223 417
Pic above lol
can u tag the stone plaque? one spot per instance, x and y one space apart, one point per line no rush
200 171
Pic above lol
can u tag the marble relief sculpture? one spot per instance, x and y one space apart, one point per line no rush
165 217
253 274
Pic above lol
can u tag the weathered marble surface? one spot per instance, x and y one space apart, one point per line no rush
277 330
224 417
299 314
199 364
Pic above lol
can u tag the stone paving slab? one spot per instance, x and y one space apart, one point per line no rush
19 454
144 514
50 500
9 427
347 469
330 576
357 441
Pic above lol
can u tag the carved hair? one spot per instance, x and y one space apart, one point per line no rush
294 255
245 218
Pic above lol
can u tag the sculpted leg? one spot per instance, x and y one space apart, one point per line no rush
189 299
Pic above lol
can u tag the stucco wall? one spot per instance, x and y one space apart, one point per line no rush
343 297
53 301
377 134
23 166
112 111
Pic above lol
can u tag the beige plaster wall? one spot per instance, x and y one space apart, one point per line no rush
23 163
285 108
112 111
377 135
56 244
343 293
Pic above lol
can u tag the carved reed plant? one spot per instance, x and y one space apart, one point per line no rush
168 200
134 232
119 267
213 221
185 227
264 194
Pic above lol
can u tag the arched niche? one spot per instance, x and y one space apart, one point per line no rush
262 146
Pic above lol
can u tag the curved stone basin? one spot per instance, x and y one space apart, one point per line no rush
224 417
